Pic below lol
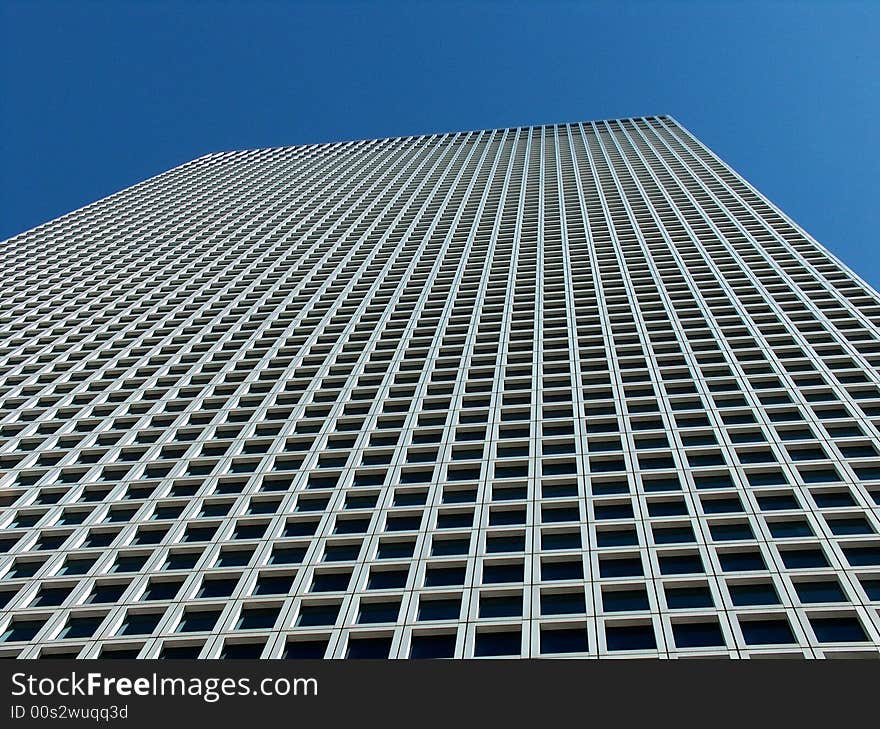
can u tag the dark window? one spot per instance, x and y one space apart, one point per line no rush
824 591
330 581
274 584
50 596
630 637
257 618
197 620
560 540
341 552
778 502
852 525
681 598
563 640
107 593
82 627
803 558
504 643
741 561
21 630
249 531
556 603
439 609
182 560
697 635
297 649
754 594
288 555
403 523
613 511
764 632
242 650
621 567
432 646
616 537
568 570
129 563
680 564
722 506
443 547
120 653
862 556
72 566
502 573
368 647
387 579
140 623
318 614
872 589
440 576
833 499
395 550
164 590
786 529
838 630
673 535
379 612
505 544
218 587
501 607
667 508
623 600
730 531
234 557
181 651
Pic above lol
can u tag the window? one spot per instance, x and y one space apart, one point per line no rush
81 627
433 646
140 623
768 631
368 647
379 612
318 614
242 650
629 637
838 630
820 591
500 643
439 608
161 590
759 593
683 598
697 634
21 630
561 603
198 620
253 618
502 606
625 600
107 593
563 640
299 649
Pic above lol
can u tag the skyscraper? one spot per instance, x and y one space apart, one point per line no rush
572 390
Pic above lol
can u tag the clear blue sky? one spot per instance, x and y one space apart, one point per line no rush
99 95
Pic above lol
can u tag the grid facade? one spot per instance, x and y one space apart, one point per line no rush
567 390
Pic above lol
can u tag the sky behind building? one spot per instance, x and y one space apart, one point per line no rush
100 95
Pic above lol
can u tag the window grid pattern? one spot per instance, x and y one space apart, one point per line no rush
573 390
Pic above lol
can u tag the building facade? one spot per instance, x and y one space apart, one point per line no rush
573 391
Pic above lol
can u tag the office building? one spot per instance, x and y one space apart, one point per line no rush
575 390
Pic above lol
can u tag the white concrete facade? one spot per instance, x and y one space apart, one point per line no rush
573 390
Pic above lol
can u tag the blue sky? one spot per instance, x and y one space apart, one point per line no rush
99 95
